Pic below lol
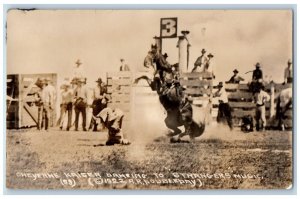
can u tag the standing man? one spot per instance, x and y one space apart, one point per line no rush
235 79
260 98
288 73
257 73
81 95
47 101
100 101
200 62
66 105
54 95
124 66
39 103
224 111
208 67
284 101
257 79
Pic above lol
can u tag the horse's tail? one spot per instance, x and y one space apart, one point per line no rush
144 77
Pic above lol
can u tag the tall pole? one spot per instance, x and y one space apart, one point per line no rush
158 42
183 52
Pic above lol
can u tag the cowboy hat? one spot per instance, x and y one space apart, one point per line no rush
65 85
220 84
289 61
81 80
257 65
78 62
165 55
236 71
99 80
203 50
74 80
210 55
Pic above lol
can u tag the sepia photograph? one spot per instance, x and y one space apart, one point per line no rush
149 99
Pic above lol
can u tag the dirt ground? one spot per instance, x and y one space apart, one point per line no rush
220 159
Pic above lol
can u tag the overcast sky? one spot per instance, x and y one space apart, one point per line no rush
46 41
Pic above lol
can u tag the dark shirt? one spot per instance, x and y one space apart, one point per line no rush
257 74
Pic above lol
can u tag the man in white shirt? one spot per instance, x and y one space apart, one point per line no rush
224 111
260 98
81 96
66 105
284 101
47 98
124 66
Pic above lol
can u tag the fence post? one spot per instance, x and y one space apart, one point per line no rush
272 101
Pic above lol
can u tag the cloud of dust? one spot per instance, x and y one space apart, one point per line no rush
222 132
148 122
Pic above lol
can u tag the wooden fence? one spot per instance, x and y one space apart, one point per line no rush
119 86
240 100
22 110
137 99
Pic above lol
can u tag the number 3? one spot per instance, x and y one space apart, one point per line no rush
169 27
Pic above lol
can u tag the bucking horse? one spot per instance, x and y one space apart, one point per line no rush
172 96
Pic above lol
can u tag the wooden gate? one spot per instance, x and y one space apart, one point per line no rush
22 110
119 86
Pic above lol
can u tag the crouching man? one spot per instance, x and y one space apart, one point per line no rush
112 120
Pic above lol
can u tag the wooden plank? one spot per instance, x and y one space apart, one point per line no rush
197 91
154 94
240 95
196 82
242 105
119 74
278 87
120 89
241 113
119 81
30 112
236 87
197 75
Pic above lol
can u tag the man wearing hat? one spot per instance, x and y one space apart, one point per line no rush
235 79
100 100
80 104
208 67
66 105
47 98
257 78
224 111
38 101
257 73
260 98
288 73
200 62
163 68
124 67
112 120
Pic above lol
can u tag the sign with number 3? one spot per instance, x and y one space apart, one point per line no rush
168 27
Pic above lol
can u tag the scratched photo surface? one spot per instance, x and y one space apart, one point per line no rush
149 99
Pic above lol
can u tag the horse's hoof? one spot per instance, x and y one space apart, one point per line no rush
174 140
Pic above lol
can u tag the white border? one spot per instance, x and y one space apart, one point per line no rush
60 2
